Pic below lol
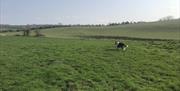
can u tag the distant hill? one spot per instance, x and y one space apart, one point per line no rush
160 25
154 30
147 30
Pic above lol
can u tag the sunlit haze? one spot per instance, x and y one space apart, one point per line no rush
85 11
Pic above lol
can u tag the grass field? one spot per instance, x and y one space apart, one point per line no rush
152 30
67 60
55 64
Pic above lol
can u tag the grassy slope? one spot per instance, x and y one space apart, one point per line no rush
38 64
155 30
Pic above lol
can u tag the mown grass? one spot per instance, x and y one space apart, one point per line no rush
51 64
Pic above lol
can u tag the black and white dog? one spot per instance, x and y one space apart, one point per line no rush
120 45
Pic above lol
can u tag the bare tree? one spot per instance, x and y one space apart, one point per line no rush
26 32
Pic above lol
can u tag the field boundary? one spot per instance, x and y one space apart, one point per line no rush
125 38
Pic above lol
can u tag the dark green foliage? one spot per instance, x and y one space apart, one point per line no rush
38 33
26 32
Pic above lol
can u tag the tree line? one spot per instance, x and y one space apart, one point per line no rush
19 28
28 27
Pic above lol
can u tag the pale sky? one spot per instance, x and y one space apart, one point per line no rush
85 11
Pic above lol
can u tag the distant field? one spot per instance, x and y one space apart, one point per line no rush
156 30
55 64
153 30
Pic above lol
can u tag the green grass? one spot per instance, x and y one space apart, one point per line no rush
152 30
52 64
64 61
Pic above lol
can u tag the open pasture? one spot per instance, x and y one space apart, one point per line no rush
55 64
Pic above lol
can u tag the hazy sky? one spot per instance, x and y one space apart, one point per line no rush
85 11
